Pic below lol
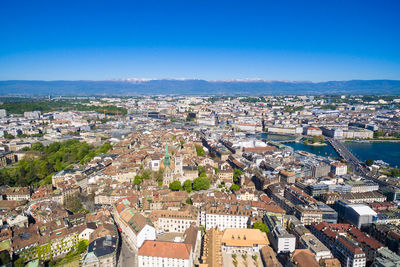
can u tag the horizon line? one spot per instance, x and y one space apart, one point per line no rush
138 80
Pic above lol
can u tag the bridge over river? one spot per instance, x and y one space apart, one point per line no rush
353 161
346 154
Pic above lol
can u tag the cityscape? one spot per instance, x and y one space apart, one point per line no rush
200 181
199 133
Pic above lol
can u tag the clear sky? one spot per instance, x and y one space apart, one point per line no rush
275 40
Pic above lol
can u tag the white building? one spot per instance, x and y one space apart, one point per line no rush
210 121
280 239
135 228
309 241
85 234
154 164
19 220
338 168
3 113
312 131
173 221
232 217
32 114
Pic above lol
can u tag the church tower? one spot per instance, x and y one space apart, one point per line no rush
168 174
167 158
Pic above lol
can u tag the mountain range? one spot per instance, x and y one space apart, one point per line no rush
130 87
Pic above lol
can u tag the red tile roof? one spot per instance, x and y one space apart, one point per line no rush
165 250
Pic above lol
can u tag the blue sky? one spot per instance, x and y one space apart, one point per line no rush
214 40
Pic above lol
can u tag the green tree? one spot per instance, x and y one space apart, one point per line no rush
175 186
37 146
4 257
200 151
349 169
236 174
187 186
234 187
201 183
379 134
244 256
235 261
316 139
82 246
19 262
201 170
394 172
137 180
146 174
261 226
9 136
369 162
74 205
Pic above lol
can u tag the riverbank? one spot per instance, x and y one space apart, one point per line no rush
373 140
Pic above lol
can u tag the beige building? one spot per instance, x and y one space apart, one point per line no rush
212 256
17 193
243 241
173 221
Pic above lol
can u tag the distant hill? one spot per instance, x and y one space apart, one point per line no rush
197 87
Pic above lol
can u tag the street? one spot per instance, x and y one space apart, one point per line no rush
126 257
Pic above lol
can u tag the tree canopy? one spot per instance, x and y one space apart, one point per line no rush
369 162
236 174
394 172
187 186
234 187
261 226
175 186
21 105
41 162
200 151
201 183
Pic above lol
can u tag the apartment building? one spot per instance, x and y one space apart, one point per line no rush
135 228
224 216
17 193
173 221
279 237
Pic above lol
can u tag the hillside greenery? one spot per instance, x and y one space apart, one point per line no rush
21 105
41 162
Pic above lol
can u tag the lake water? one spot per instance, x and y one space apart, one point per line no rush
389 152
326 151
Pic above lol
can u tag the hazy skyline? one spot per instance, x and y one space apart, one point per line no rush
212 40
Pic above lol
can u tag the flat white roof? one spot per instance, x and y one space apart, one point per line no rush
363 209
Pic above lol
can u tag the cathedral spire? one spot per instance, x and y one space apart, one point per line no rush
167 158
